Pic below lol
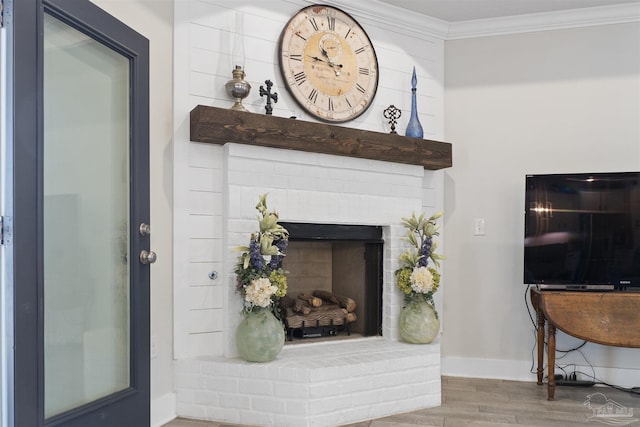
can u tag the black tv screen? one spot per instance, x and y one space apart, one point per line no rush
582 231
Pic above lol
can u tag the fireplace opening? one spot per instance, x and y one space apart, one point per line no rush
335 281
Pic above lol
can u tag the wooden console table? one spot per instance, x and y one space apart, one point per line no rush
608 318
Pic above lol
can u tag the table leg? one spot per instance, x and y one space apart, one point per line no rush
540 370
551 359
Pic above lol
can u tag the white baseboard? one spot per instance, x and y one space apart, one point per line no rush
163 409
518 370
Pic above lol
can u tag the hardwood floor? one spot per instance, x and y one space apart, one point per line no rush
495 403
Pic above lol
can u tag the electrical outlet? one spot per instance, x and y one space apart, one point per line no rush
154 347
478 227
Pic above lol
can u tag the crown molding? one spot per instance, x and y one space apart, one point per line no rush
575 18
390 17
406 22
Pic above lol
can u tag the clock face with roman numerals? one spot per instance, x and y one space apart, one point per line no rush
328 63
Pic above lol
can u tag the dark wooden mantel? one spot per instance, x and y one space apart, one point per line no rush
220 126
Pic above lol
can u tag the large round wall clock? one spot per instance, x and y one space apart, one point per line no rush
328 63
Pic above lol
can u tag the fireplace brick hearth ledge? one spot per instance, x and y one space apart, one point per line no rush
354 381
220 126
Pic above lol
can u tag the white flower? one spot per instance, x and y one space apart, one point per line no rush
421 280
259 292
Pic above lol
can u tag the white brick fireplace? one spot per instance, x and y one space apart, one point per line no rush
216 188
314 384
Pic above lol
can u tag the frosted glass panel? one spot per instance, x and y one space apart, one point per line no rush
86 219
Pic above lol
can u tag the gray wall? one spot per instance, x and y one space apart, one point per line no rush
542 102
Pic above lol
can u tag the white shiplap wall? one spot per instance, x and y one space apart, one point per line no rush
205 34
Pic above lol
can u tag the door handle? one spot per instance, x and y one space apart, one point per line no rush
148 257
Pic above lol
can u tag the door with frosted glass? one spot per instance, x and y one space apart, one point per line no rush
91 204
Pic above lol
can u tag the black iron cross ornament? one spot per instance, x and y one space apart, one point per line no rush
270 96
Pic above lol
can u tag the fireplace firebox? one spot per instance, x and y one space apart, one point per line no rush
336 259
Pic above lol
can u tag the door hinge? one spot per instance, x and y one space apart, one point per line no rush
1 13
6 230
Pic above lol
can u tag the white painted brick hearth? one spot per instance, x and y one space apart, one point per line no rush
307 386
314 384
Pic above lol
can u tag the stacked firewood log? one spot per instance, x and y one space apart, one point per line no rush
320 308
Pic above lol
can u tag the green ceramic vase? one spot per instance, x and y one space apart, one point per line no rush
260 336
419 322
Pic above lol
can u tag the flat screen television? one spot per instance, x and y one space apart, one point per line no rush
582 231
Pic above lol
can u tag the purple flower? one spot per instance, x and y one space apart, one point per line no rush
425 252
277 259
282 245
255 255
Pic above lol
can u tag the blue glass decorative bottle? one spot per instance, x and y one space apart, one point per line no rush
414 128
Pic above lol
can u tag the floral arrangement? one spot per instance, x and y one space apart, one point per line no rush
260 278
418 275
